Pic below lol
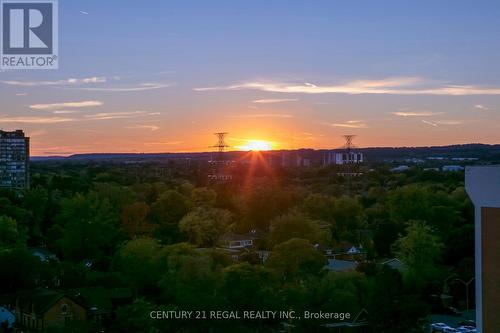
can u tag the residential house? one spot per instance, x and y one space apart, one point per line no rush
41 309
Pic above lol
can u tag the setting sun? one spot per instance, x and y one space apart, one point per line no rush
256 145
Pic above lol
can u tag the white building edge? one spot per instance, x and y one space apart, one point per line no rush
483 186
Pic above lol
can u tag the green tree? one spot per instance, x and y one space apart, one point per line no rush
170 207
204 226
419 249
189 278
10 235
246 286
89 227
296 225
139 261
295 259
203 196
134 219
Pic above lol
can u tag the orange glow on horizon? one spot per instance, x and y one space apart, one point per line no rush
256 145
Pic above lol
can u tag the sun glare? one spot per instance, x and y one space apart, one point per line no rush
256 145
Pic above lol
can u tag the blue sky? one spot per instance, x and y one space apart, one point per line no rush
163 75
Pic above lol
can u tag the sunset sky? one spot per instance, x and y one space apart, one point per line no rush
158 76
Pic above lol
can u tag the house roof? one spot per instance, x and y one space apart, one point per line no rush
95 300
43 254
38 301
231 236
360 320
341 265
395 263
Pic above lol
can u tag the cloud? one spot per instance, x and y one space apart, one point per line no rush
21 94
430 123
481 107
52 106
35 120
262 115
141 87
147 127
119 115
442 122
67 82
275 100
416 113
449 122
348 124
390 86
84 12
65 111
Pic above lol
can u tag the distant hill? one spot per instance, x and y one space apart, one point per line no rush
480 151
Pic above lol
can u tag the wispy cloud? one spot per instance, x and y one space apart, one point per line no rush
449 122
348 124
140 87
430 123
391 86
262 115
21 94
55 106
66 82
146 127
65 111
442 122
416 113
119 115
481 107
84 12
275 100
35 120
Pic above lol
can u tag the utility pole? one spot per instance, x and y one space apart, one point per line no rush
466 284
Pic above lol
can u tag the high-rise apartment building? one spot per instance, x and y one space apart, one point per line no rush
14 160
483 186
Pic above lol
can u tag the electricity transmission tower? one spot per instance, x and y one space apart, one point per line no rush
219 163
348 146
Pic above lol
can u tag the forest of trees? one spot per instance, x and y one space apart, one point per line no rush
160 237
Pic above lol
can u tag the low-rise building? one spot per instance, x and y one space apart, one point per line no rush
42 309
233 240
451 168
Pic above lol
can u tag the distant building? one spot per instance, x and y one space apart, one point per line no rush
14 160
414 160
395 264
232 240
400 168
482 183
341 158
463 159
451 168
